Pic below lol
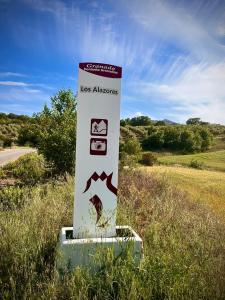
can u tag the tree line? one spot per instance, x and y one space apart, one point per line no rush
52 132
188 139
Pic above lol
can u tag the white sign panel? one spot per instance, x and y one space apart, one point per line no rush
97 150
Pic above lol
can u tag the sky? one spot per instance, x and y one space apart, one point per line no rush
172 53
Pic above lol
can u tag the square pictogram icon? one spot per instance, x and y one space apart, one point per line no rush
98 146
99 127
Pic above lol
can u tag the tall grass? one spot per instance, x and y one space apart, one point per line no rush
184 247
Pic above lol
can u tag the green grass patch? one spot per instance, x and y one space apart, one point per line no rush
210 160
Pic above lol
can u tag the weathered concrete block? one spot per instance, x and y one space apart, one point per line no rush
80 252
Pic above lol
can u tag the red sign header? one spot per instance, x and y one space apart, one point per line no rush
104 70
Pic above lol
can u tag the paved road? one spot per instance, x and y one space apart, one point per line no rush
9 155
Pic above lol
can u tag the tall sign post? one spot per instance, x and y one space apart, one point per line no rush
97 150
96 180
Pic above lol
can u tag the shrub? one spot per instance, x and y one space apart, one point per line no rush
128 160
196 164
126 134
154 141
149 159
29 168
2 173
8 142
13 197
132 147
207 138
130 153
140 132
28 135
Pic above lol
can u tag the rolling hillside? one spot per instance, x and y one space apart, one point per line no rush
211 160
206 187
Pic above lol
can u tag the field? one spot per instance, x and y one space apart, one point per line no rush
210 160
202 186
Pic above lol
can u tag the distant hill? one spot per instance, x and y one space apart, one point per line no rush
10 125
169 122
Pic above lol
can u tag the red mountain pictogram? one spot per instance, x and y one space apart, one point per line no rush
103 176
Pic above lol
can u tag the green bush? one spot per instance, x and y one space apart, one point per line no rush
132 147
2 173
130 153
29 168
196 164
7 141
13 197
128 160
28 135
154 141
149 159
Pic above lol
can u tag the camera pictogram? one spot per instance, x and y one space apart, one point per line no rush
98 146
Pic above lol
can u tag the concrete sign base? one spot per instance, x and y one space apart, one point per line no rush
80 252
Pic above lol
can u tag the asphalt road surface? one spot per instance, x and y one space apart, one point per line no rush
9 155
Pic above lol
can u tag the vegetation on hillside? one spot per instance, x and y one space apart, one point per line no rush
202 186
196 136
10 125
211 160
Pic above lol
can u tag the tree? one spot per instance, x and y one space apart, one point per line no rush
154 141
207 139
122 123
160 123
140 121
172 137
190 141
193 121
28 135
56 132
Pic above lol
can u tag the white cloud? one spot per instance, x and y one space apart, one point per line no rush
184 25
22 100
200 92
171 49
25 84
9 74
13 83
15 94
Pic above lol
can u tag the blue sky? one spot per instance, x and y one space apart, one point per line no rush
172 53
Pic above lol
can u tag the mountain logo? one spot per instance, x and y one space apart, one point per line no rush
102 177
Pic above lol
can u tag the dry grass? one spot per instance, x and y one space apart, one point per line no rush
184 246
202 186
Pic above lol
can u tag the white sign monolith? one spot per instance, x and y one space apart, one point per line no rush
97 150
